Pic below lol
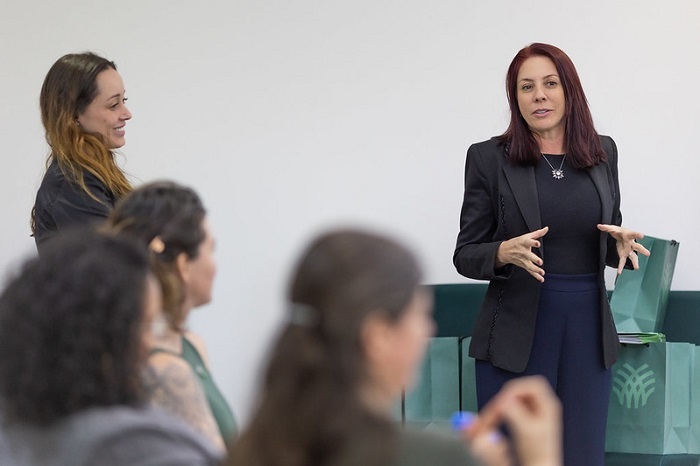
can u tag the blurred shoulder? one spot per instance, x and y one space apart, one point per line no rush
419 447
150 436
108 436
171 373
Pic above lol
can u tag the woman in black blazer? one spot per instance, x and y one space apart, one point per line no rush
83 110
544 196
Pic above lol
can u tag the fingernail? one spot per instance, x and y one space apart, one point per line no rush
495 437
461 420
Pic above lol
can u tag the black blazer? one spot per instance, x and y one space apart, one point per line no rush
500 202
61 203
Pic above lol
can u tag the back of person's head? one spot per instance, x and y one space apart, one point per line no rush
168 218
311 409
71 328
344 277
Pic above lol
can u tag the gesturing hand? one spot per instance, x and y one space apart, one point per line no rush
532 412
626 245
518 251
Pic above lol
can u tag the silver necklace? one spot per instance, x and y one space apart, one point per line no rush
557 173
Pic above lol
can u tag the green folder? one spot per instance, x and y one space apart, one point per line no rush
641 338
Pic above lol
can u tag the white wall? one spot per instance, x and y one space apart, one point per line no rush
290 116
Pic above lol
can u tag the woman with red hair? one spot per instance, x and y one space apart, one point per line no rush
540 220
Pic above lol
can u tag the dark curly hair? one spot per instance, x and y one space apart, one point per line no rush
311 411
71 329
174 214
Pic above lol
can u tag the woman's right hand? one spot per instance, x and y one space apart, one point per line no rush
518 251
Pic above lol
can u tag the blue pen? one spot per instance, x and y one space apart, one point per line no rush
461 420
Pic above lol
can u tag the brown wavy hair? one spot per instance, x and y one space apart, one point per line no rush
311 411
69 87
581 141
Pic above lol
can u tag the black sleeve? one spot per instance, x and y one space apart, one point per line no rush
75 206
475 252
62 204
612 258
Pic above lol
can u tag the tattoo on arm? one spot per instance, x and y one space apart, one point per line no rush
174 387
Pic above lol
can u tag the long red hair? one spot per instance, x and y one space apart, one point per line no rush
581 141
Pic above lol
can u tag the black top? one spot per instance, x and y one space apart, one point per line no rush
570 207
61 203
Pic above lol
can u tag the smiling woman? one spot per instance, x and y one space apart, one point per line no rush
83 110
107 114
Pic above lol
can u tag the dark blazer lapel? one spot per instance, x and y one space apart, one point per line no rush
599 175
522 183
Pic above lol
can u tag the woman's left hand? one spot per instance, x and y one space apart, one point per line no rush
532 412
627 245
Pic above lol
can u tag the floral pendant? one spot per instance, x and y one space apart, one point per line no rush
558 173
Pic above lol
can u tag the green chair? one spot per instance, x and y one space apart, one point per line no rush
456 307
683 317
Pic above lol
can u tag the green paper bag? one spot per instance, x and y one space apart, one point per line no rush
435 397
640 297
468 377
649 410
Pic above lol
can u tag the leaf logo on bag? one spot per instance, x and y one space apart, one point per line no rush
633 386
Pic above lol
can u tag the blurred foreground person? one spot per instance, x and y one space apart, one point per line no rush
357 329
171 220
74 331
